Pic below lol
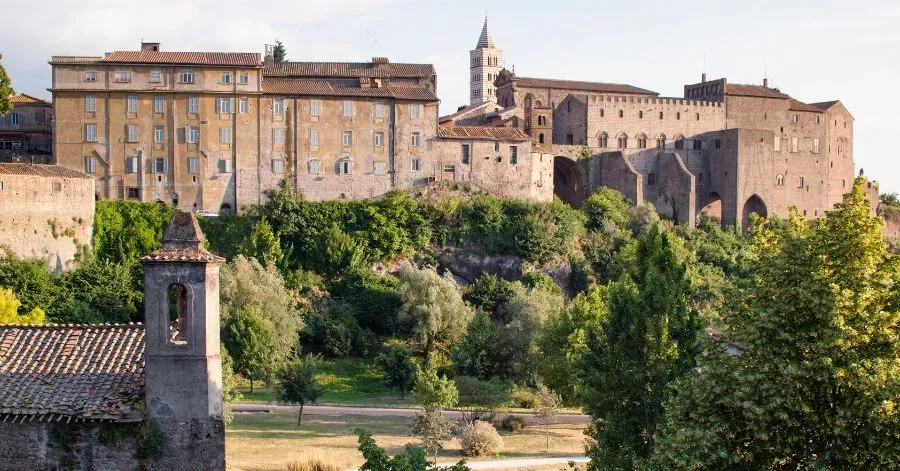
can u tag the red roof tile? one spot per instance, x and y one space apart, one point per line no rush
583 86
40 170
293 86
753 90
349 69
233 59
25 99
482 132
80 372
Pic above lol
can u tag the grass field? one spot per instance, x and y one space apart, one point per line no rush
269 441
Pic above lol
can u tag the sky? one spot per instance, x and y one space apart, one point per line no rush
813 50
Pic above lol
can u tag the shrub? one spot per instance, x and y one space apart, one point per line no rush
332 329
396 360
489 293
480 439
521 396
311 465
512 423
606 206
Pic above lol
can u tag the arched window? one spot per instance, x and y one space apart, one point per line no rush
528 101
698 144
541 138
661 141
651 179
225 208
642 141
622 141
537 103
779 180
679 141
603 140
179 315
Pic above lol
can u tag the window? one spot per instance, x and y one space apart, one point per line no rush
347 139
621 114
678 115
90 132
496 146
278 106
346 108
513 155
601 112
795 144
415 110
278 166
570 139
90 76
156 76
679 143
122 75
379 138
225 77
569 106
466 157
193 164
642 142
718 143
698 116
224 166
193 104
660 115
800 183
414 139
795 118
192 134
225 136
661 141
132 132
315 107
622 141
698 144
159 134
314 166
90 103
133 193
225 104
186 76
132 103
415 165
131 164
641 114
379 168
603 140
651 179
541 138
345 167
160 165
244 78
159 104
313 137
244 105
89 164
779 180
815 148
777 142
818 120
278 136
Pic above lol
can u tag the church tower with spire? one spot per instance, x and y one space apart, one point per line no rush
485 62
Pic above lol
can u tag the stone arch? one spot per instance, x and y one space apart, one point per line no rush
753 205
712 207
603 140
179 311
225 208
528 99
568 181
660 141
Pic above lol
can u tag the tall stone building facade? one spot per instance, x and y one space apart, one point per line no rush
216 131
26 131
485 63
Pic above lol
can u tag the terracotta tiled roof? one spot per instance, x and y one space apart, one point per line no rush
482 132
753 90
25 99
73 372
349 69
74 59
800 106
584 86
235 59
40 170
293 86
478 109
182 242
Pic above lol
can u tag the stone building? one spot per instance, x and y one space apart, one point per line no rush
88 397
216 131
47 212
485 62
26 131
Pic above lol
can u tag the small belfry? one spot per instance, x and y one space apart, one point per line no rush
485 63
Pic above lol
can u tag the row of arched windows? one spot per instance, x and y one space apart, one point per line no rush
622 141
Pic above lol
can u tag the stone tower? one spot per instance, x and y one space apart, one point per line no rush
183 367
485 62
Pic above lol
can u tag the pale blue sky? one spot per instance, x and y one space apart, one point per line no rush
814 50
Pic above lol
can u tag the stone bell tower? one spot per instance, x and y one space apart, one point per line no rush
183 366
485 63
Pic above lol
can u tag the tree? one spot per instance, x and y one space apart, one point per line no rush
279 53
647 340
125 231
479 352
6 91
489 293
548 408
29 280
297 383
432 427
434 307
97 292
524 315
9 310
396 361
251 342
263 245
412 459
813 377
606 206
433 391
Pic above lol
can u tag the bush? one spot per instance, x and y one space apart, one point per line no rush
480 439
521 396
606 206
374 299
332 329
512 423
396 361
489 293
311 465
474 392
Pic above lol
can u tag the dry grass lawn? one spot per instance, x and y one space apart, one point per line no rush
269 441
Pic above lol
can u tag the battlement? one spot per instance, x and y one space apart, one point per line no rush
656 100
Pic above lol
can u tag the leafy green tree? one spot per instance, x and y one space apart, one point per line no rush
279 53
124 231
412 459
813 377
263 245
29 280
251 343
332 329
647 340
374 299
523 317
97 292
9 310
548 408
432 427
434 307
489 293
604 207
297 383
433 391
6 91
338 252
479 352
396 361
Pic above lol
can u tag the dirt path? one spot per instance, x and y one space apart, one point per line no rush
520 462
391 412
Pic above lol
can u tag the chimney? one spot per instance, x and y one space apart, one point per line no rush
269 56
149 46
766 82
380 60
703 77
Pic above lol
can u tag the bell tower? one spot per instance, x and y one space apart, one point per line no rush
181 296
485 63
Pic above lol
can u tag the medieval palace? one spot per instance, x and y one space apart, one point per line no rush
215 131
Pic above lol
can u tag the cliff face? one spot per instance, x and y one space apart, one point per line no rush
468 265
